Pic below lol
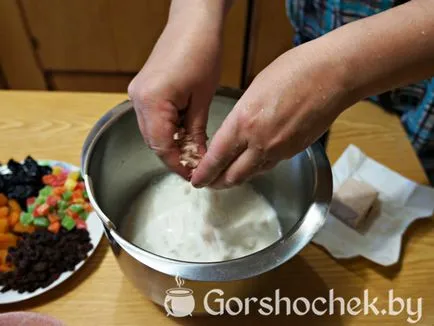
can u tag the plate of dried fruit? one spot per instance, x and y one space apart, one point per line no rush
47 227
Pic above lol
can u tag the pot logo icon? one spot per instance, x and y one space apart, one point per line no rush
179 301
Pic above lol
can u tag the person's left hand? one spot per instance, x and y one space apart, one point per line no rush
288 106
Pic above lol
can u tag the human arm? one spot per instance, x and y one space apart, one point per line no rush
181 74
294 100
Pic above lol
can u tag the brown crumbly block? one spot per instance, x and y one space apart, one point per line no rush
352 202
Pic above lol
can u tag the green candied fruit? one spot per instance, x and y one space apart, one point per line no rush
40 200
62 205
26 218
31 208
61 214
76 208
46 191
41 221
68 223
67 195
84 215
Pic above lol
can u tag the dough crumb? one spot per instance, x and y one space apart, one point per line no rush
190 156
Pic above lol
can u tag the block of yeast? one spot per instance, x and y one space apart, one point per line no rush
353 201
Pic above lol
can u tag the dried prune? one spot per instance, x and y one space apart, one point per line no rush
24 180
15 167
31 167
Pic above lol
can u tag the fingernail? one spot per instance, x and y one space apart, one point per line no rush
199 184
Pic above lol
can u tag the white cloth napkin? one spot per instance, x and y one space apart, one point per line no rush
402 201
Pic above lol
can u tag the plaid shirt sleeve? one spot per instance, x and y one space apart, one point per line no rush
414 103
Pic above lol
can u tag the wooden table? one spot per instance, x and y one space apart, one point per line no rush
54 125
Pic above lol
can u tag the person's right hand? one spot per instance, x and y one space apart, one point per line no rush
181 74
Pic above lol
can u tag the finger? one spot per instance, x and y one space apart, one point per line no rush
243 168
224 148
164 145
268 165
196 119
168 151
264 169
141 123
157 131
170 156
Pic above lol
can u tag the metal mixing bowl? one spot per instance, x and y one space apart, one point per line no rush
116 165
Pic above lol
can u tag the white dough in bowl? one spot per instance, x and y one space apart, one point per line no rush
175 220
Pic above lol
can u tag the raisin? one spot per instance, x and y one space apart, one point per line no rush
55 255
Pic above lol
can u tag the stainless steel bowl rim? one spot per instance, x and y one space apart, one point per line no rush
252 265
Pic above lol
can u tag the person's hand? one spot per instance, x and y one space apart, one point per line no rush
180 75
288 106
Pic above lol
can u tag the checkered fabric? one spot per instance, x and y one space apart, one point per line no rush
413 103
